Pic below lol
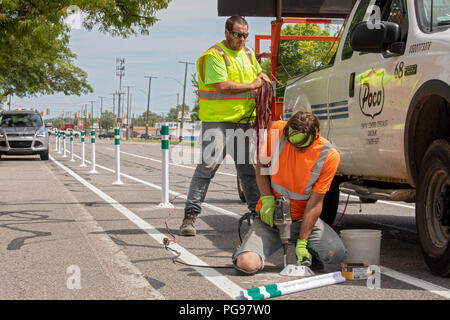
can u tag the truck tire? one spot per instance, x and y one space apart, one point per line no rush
433 207
240 190
331 202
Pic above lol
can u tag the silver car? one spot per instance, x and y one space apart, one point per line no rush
22 132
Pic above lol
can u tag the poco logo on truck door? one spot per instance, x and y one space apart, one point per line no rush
371 92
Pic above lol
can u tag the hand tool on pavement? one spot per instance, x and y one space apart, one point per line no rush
283 221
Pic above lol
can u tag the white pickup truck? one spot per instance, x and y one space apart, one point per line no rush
384 102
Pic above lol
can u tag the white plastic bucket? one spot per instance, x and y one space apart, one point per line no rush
363 245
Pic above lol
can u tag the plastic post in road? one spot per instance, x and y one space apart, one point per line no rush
93 152
64 145
117 144
59 141
165 167
71 147
56 141
83 163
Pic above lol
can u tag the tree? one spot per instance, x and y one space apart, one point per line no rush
152 119
107 120
34 53
296 57
172 116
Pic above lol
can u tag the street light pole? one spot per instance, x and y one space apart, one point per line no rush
148 104
184 97
128 110
92 113
101 113
120 72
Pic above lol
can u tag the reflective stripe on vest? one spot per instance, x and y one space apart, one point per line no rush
312 178
249 55
222 53
213 95
248 52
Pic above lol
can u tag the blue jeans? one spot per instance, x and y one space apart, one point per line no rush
323 243
217 140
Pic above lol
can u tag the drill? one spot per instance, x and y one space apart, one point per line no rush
282 220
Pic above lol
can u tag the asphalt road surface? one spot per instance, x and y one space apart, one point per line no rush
70 234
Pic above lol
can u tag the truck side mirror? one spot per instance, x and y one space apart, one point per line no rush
374 38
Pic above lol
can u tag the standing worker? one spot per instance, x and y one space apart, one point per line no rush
228 77
304 165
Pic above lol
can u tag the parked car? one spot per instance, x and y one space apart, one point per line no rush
106 135
22 132
76 134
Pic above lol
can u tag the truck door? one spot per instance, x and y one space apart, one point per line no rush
365 97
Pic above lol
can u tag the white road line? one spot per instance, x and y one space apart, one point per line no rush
172 164
219 280
389 272
384 202
428 286
124 276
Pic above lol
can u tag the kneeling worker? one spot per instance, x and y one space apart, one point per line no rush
303 167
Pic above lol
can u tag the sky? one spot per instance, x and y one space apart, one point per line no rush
185 30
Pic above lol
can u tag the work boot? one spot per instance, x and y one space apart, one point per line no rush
187 227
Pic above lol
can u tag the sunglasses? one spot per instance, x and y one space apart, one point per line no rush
238 34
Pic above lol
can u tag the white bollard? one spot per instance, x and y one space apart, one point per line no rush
83 163
117 144
59 142
93 152
71 147
279 289
165 167
56 141
64 145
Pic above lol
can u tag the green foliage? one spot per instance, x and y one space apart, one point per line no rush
152 119
296 57
34 40
107 120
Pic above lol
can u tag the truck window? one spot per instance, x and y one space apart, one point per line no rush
390 10
347 51
436 11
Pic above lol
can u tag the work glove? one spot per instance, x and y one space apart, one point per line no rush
303 255
267 210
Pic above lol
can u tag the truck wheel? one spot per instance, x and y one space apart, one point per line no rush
433 207
331 202
241 190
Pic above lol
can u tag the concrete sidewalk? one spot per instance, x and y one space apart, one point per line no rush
51 247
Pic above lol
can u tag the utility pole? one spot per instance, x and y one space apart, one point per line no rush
114 103
128 110
120 72
92 113
148 104
101 112
184 97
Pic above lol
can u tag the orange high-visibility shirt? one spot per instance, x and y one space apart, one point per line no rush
296 174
